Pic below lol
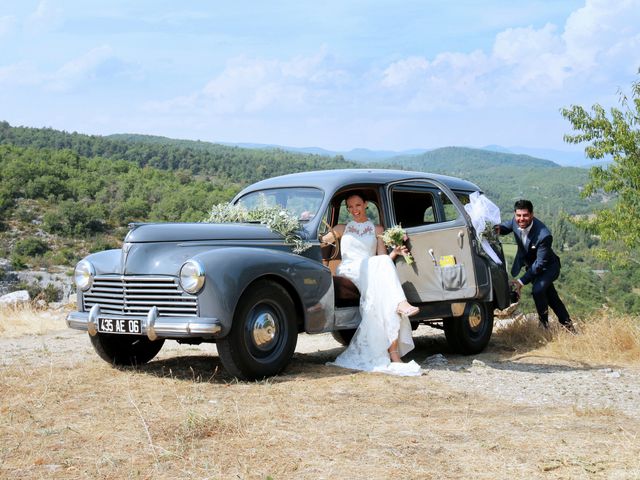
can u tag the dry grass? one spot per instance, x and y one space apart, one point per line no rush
603 338
65 415
164 422
28 319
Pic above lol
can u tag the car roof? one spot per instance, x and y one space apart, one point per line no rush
333 180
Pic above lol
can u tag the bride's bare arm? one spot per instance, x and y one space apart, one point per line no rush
382 249
329 237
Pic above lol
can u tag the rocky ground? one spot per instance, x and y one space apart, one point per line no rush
523 380
67 414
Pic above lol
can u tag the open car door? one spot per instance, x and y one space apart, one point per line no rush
441 242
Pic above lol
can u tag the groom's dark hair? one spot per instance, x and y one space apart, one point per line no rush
523 205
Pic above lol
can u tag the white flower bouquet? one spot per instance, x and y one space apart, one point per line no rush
396 237
275 218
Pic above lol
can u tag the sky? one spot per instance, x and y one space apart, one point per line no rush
336 74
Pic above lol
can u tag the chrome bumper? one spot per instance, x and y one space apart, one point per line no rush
153 326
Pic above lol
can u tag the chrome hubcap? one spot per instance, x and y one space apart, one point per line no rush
264 331
475 317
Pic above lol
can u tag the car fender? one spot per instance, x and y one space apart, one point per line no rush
107 261
230 271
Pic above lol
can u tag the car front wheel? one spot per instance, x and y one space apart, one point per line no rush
470 333
263 335
125 350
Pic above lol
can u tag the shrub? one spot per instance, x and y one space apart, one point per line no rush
18 262
101 244
73 218
62 256
50 293
31 247
25 214
33 288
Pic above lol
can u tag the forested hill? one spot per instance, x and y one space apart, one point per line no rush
506 177
200 158
459 158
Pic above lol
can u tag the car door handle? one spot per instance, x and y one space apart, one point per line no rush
460 238
433 257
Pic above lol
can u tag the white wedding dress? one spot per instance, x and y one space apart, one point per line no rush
380 293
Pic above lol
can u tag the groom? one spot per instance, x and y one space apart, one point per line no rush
542 265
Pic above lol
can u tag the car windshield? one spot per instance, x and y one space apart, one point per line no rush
301 202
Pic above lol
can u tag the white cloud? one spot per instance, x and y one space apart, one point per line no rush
404 71
525 63
45 18
598 32
96 64
254 85
451 79
80 69
7 25
21 73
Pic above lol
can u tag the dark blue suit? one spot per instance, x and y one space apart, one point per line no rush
542 268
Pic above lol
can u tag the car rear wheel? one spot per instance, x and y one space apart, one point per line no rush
263 335
470 333
125 350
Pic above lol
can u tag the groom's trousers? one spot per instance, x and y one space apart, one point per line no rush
545 296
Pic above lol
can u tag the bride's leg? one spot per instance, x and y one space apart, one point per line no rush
384 267
393 352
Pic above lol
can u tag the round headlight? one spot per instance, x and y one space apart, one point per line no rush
192 276
83 275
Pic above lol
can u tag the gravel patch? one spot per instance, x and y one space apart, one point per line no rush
527 381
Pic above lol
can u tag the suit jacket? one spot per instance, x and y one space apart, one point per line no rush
538 256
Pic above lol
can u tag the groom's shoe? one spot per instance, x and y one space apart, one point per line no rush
569 327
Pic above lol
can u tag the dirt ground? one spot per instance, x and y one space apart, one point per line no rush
64 413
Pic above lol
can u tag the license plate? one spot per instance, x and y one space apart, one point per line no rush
119 325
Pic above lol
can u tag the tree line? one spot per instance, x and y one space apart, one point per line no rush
65 194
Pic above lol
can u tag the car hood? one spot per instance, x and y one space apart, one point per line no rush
184 232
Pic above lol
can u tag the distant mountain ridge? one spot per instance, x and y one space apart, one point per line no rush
365 155
564 158
361 155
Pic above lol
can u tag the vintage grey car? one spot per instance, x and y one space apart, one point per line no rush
241 286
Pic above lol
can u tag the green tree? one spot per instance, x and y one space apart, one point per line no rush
614 135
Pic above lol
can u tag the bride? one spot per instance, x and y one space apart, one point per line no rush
384 334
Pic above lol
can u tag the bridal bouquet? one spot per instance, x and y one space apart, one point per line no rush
395 237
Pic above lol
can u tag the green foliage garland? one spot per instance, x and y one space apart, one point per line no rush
275 218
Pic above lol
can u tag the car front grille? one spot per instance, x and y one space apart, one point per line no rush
136 295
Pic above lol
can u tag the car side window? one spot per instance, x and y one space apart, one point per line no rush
450 211
413 208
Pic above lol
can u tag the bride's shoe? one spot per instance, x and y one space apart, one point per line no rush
408 310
